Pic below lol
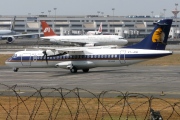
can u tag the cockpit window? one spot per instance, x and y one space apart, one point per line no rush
14 56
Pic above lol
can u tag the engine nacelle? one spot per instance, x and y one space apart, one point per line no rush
77 64
10 39
65 65
53 40
89 45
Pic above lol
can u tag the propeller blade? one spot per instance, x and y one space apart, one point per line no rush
45 55
46 60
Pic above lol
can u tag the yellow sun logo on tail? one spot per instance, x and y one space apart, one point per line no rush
158 35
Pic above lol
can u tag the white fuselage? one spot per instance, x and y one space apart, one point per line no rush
90 58
95 40
4 32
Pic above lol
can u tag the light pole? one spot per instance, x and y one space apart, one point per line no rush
55 12
49 12
164 13
29 14
55 20
98 12
102 13
113 18
176 4
152 13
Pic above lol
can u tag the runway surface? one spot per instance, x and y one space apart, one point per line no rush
139 79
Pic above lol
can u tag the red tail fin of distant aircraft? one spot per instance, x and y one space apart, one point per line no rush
47 29
100 28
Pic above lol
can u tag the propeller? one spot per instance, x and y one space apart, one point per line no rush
45 55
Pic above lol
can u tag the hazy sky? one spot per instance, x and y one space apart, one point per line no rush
88 7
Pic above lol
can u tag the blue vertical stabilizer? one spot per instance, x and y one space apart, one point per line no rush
157 40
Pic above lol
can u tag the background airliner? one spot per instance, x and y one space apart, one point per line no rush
82 58
95 32
81 40
10 34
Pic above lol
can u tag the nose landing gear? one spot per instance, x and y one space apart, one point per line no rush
73 70
15 69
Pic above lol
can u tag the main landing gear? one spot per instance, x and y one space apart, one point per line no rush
15 69
74 70
85 70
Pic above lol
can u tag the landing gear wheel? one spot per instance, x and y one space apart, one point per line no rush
15 69
85 70
73 70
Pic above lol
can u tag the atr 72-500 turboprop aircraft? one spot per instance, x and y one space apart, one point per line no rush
153 46
81 40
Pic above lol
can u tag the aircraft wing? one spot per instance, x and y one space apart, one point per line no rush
79 42
21 35
73 42
73 50
63 51
78 48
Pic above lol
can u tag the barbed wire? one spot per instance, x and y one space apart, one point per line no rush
27 102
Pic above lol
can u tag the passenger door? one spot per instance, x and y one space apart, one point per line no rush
122 57
26 59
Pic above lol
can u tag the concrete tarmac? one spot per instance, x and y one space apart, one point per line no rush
150 80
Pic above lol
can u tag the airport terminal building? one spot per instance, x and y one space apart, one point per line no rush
126 26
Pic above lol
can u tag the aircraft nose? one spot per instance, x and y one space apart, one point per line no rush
125 41
9 59
7 62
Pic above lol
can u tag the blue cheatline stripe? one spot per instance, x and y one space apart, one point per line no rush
89 57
